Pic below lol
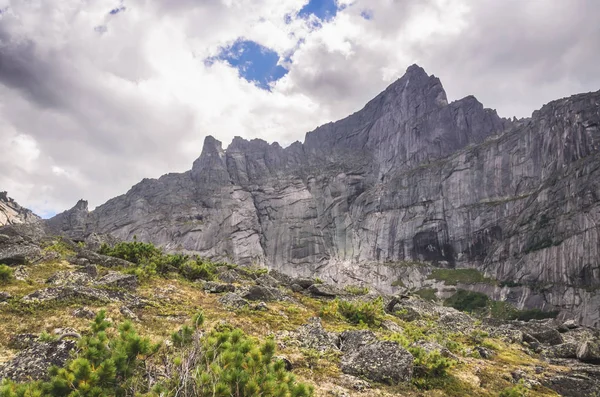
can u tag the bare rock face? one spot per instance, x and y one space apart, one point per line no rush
410 177
12 213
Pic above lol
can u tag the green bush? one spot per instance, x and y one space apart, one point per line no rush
6 274
227 363
356 290
151 261
430 369
467 301
370 313
105 365
518 390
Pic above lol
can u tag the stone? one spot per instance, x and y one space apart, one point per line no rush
65 277
34 361
267 281
262 293
391 326
484 352
313 336
549 337
303 282
353 340
380 361
261 306
563 350
20 273
84 312
218 288
457 321
323 290
571 324
5 296
128 313
23 341
90 270
118 280
233 301
296 288
229 276
352 382
589 351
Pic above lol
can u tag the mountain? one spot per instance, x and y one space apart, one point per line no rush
12 213
388 196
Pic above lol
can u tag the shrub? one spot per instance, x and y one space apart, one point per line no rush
151 261
467 301
369 313
356 290
106 365
430 369
197 269
427 293
518 390
6 274
226 363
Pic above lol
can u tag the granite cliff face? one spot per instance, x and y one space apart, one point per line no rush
409 178
12 213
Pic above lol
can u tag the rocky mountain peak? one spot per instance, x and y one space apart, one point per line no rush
210 166
12 213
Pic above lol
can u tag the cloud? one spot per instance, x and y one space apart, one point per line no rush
96 96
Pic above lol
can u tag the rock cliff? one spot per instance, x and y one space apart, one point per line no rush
407 184
11 212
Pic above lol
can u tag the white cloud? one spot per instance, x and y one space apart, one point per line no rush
86 114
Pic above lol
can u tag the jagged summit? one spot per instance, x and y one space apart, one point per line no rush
408 178
12 213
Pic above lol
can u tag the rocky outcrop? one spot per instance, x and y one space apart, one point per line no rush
408 178
12 213
35 361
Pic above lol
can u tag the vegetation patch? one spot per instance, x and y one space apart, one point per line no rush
467 301
427 293
6 274
356 290
464 276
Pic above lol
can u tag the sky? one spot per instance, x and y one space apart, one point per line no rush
96 95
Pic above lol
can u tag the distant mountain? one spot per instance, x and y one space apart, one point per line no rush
12 213
406 185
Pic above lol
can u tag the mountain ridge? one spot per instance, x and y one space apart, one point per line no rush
408 178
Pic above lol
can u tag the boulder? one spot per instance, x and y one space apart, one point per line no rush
229 276
262 293
65 277
303 282
233 301
563 350
323 290
118 280
313 336
128 313
548 336
22 341
589 351
267 281
380 361
63 293
457 321
353 340
4 296
34 362
84 312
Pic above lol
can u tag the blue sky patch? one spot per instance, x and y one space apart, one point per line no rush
117 10
325 10
367 14
254 62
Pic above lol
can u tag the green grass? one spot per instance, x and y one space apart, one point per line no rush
463 276
427 293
